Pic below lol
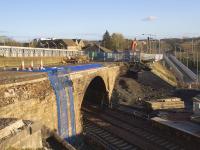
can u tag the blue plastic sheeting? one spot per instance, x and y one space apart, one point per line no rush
59 84
83 67
69 69
72 112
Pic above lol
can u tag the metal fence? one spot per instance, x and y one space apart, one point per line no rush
9 51
114 56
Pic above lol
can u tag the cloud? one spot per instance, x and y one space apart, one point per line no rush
150 18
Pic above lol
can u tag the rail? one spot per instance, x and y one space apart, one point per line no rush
184 68
133 131
178 74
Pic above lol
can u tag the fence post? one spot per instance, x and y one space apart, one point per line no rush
41 64
22 65
32 65
10 52
92 56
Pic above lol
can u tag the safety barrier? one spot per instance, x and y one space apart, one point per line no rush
154 57
9 51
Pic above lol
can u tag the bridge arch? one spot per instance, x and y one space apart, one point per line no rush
96 93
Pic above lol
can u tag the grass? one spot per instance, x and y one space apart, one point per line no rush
17 61
161 71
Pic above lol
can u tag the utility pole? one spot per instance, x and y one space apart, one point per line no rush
193 49
197 67
175 49
187 57
194 54
181 54
159 46
149 38
150 44
148 48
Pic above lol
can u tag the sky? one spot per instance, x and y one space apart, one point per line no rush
89 19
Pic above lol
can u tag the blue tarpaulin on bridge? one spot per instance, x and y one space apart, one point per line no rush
69 69
62 86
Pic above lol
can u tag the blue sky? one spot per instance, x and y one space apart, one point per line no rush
88 19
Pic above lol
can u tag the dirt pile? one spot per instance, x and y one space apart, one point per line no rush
147 86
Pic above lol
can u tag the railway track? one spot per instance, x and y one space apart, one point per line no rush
106 139
127 131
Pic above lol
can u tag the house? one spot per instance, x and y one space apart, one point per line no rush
69 44
97 52
79 43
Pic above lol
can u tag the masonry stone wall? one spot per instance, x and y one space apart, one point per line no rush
34 100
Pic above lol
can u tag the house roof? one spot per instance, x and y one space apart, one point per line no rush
69 42
104 49
96 47
77 40
88 43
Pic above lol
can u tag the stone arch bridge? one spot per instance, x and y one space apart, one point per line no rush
33 96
